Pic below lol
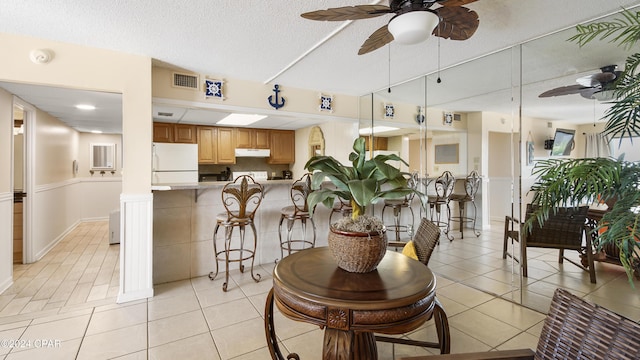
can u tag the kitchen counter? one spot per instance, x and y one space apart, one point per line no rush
184 220
209 184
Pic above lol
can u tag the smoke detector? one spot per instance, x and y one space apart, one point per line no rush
41 56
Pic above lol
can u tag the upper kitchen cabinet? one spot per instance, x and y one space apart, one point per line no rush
174 133
207 145
252 138
226 145
216 145
282 147
379 143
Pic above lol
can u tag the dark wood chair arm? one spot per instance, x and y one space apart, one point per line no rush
521 354
512 219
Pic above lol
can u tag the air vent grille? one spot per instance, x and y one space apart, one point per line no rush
457 117
160 113
185 81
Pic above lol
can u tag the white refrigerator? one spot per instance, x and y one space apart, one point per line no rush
174 163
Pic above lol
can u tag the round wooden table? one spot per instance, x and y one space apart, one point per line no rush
396 298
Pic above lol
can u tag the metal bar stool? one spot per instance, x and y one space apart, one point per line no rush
298 211
241 199
341 207
443 188
397 205
471 185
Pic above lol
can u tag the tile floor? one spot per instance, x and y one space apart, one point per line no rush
63 307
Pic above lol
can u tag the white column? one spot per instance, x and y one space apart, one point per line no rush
136 247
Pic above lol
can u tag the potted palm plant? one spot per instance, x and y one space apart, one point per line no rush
361 185
569 182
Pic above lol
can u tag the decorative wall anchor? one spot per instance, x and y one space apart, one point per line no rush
213 89
420 116
277 104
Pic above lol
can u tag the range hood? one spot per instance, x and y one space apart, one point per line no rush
253 152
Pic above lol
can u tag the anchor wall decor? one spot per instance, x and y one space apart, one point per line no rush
277 104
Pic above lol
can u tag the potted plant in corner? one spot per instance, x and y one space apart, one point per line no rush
569 182
357 243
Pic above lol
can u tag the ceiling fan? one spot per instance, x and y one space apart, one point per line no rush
413 22
595 86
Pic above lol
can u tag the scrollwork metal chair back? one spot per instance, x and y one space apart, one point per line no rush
300 190
241 198
471 184
444 185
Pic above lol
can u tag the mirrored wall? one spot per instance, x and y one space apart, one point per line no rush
486 115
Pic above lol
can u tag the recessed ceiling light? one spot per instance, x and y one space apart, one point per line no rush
241 119
376 130
96 131
85 107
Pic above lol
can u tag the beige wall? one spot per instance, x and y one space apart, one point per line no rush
90 69
6 132
56 148
85 139
246 94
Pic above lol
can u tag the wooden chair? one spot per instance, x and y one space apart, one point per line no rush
425 240
573 329
564 230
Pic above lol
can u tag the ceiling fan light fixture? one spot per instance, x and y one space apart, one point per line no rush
413 27
604 95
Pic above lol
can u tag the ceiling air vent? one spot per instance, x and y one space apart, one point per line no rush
168 114
185 81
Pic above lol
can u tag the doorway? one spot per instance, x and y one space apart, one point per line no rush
22 160
18 184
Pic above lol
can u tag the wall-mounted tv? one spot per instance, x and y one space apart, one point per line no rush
563 142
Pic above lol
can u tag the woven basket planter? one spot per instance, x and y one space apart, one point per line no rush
357 252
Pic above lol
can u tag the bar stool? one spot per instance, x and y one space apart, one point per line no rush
341 207
241 199
471 185
397 205
443 188
298 211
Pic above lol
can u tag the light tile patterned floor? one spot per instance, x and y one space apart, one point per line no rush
63 307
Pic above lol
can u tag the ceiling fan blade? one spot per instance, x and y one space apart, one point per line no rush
588 93
564 90
596 79
378 39
347 13
456 23
456 2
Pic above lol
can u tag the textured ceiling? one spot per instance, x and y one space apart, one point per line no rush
256 39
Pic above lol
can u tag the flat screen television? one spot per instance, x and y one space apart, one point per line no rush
563 142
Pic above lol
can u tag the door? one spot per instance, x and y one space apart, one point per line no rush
23 180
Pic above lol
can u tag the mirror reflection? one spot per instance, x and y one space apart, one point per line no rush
486 116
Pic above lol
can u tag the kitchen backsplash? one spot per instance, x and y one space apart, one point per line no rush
246 164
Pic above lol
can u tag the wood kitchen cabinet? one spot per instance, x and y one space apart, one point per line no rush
379 143
216 145
174 133
252 138
207 145
226 145
282 147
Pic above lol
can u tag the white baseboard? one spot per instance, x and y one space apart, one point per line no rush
55 242
6 283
